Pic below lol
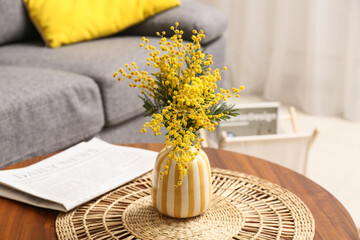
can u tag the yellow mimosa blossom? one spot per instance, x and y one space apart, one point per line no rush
181 95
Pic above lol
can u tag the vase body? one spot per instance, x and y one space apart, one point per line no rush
191 198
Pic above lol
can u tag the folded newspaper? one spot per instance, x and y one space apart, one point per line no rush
76 175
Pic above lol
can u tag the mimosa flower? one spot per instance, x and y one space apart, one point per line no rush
181 95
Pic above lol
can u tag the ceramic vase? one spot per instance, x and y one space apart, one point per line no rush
191 198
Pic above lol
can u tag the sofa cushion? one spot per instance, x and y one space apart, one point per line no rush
75 21
190 15
129 132
97 59
45 109
15 23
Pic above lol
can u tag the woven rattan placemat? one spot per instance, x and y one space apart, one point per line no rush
243 207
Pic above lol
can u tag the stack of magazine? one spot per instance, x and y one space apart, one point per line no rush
76 175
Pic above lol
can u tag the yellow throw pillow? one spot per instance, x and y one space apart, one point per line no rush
63 22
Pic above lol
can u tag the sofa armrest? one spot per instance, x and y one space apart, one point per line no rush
190 15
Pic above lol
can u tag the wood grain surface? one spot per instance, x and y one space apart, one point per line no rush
332 221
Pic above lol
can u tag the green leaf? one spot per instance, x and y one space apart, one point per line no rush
228 110
150 106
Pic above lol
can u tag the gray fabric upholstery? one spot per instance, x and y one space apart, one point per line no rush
190 15
43 111
217 49
97 59
15 23
129 132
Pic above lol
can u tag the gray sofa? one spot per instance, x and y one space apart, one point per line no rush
51 99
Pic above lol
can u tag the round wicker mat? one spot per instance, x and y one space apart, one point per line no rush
242 207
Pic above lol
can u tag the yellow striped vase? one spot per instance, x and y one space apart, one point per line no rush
193 196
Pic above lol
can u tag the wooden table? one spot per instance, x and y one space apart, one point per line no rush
332 221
